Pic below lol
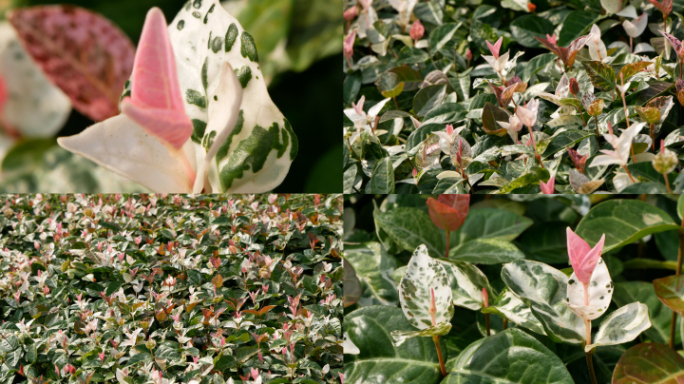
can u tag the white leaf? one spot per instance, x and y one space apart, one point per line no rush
512 308
466 281
622 326
349 347
599 293
440 329
611 6
425 275
123 147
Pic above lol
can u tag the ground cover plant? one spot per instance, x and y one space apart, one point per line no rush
170 288
513 96
522 289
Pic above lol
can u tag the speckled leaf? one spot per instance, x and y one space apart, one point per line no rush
512 308
424 278
413 362
508 357
622 326
623 222
660 315
649 363
34 107
670 290
602 75
466 281
599 295
543 289
81 52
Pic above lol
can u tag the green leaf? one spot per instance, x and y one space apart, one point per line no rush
441 36
602 75
535 65
511 356
382 179
374 269
409 228
670 290
419 135
621 326
491 115
623 222
490 223
429 12
632 69
649 363
565 139
411 55
448 113
509 306
413 362
351 87
576 24
428 98
680 207
425 281
486 251
525 28
31 353
545 242
352 285
661 316
138 358
543 289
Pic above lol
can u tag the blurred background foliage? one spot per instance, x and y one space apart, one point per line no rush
300 55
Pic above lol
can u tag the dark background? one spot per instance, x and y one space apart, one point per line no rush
310 100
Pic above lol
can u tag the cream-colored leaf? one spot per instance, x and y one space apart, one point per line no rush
599 293
622 326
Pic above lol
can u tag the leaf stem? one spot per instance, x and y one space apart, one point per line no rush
596 126
667 183
439 354
446 256
505 324
487 324
534 146
629 174
590 363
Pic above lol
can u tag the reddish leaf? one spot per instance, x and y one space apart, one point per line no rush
649 363
81 52
449 212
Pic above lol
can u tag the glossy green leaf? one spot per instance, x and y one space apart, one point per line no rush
414 362
486 251
441 36
511 356
489 223
623 222
525 28
428 98
576 24
566 139
409 228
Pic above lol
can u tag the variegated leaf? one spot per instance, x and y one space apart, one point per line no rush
512 308
440 329
257 155
599 295
425 275
543 289
622 326
466 281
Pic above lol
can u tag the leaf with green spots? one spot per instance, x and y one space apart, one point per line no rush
248 47
424 291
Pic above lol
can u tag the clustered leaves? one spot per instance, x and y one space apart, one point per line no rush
520 286
170 288
513 96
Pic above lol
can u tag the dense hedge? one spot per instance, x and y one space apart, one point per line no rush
170 288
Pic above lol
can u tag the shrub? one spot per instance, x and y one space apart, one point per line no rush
441 96
170 288
453 289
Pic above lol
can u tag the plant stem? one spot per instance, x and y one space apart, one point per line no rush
447 243
534 146
395 102
624 105
439 354
489 332
667 183
596 126
505 323
590 364
629 174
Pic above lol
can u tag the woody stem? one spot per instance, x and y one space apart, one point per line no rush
652 127
596 126
439 354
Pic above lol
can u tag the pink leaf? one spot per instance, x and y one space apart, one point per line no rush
81 52
582 257
156 103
